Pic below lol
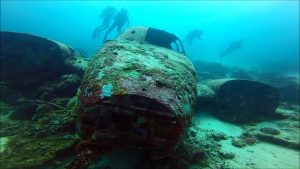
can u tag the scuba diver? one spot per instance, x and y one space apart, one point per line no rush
193 34
232 47
106 15
119 21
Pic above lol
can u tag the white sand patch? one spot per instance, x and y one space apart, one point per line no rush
207 121
259 156
262 156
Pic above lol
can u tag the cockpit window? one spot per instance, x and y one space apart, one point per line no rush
164 39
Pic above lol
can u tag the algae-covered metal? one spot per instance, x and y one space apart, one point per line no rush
241 100
135 93
38 59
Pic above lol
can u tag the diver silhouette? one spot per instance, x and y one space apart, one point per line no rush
192 35
232 47
119 21
106 16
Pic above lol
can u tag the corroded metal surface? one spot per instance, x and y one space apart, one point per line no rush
134 93
240 100
38 60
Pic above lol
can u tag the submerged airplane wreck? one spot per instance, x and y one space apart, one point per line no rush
136 91
134 107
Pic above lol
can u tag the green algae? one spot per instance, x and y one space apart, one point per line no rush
23 152
3 143
31 143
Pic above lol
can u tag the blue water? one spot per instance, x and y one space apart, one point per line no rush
270 33
270 29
